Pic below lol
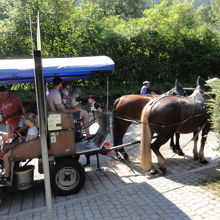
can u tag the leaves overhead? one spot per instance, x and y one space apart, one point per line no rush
167 41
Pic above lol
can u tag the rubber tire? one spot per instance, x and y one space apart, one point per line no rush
77 168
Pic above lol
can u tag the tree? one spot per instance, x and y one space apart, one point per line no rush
171 40
124 8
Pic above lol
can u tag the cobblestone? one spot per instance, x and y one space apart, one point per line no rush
118 193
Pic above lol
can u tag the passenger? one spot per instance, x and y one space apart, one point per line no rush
31 122
92 107
70 99
64 92
55 104
80 114
54 98
11 110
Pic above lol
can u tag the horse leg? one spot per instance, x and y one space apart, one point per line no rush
172 145
179 150
123 128
176 147
205 132
195 151
155 146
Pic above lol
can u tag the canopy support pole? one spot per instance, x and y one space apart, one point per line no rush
107 105
42 116
107 95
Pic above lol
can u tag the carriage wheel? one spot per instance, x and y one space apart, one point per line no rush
68 177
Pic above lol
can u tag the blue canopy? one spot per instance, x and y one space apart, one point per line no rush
22 70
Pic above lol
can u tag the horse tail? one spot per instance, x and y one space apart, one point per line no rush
116 124
146 137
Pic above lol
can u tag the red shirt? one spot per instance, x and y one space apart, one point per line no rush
11 109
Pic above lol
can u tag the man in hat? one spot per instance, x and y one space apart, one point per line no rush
145 90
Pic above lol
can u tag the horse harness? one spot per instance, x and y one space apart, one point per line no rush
152 103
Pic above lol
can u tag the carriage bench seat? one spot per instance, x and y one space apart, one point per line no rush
61 143
26 150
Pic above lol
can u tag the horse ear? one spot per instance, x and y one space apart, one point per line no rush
179 88
178 84
200 81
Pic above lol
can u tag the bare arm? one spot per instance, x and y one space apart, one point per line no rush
59 108
30 137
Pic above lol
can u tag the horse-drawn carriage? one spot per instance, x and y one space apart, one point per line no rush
66 173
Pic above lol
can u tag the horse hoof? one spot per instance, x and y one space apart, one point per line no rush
180 153
204 161
125 155
173 149
122 156
195 157
164 170
154 171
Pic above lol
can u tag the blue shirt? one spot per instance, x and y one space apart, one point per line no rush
144 90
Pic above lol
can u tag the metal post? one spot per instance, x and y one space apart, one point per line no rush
107 106
107 94
42 114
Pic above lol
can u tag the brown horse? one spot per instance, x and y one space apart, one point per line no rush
169 114
128 108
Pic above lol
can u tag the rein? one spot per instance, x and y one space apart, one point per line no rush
159 125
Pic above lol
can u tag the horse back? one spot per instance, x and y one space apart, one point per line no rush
179 114
130 106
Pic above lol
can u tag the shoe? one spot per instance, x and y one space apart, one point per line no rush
5 179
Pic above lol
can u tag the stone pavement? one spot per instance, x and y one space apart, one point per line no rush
119 192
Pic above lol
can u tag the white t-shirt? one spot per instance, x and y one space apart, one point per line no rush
32 131
54 98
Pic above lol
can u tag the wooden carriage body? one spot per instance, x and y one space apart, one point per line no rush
61 139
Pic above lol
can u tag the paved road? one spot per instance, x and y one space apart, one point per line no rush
119 192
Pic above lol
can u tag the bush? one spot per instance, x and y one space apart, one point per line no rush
214 106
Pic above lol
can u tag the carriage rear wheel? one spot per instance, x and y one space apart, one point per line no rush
67 177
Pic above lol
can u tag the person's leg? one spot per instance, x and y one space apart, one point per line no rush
5 139
7 164
85 122
9 130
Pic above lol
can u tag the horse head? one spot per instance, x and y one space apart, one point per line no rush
202 90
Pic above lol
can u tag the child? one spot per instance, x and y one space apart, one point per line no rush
64 92
31 122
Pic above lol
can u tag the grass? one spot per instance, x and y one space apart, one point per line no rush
213 185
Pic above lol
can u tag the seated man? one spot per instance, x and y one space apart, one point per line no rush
55 104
